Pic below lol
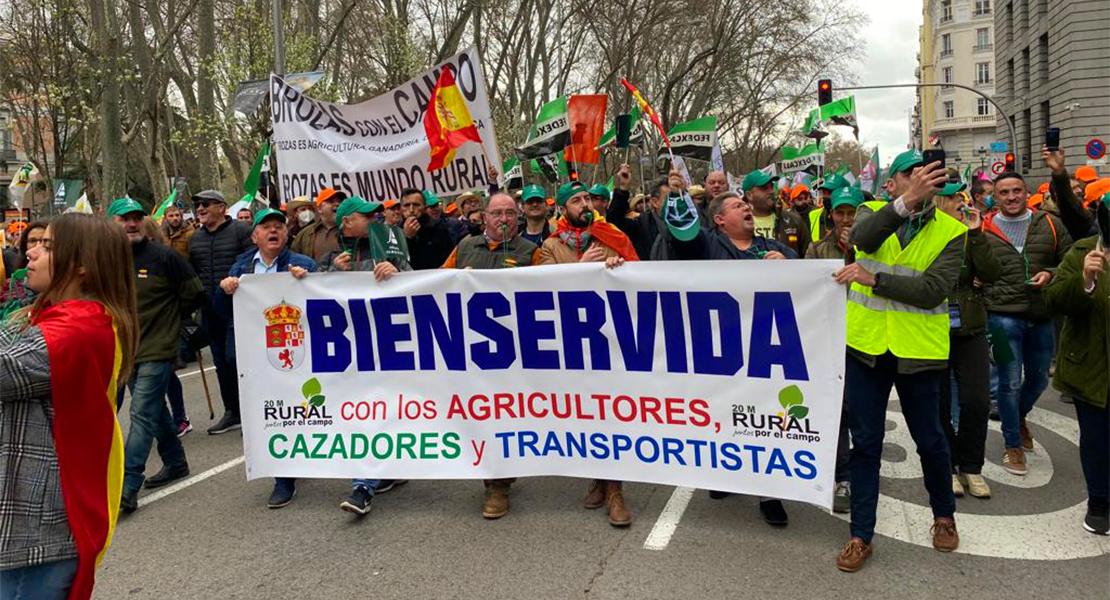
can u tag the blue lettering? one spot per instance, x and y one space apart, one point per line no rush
364 339
599 447
551 444
390 333
331 350
532 331
448 335
807 470
652 445
706 362
481 311
527 439
778 462
674 332
504 437
637 347
578 329
672 449
730 457
775 309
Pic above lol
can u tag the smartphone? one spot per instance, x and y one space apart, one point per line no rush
1052 138
931 156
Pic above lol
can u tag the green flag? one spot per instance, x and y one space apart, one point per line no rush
161 212
842 112
254 178
552 166
550 133
813 128
967 173
694 139
791 153
635 137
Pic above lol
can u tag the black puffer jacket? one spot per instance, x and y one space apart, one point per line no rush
211 253
431 246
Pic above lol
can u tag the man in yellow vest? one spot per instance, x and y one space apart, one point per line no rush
908 257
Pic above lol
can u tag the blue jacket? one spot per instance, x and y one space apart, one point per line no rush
244 263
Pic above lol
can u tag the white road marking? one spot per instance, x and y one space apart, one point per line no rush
184 375
667 522
177 487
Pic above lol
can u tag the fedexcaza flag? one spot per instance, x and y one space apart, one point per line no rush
812 127
553 167
514 173
695 139
379 147
842 112
729 377
549 134
801 159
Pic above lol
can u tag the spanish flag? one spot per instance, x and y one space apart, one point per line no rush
447 121
647 110
85 358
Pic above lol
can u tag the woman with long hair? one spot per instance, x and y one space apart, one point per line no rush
61 361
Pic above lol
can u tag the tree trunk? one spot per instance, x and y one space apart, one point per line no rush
112 154
206 95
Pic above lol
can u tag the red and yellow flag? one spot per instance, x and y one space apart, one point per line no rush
447 121
85 358
647 110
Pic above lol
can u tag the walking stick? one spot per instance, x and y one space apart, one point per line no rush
204 380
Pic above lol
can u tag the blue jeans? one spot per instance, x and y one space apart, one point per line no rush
47 581
1031 343
868 391
221 339
176 396
370 484
150 420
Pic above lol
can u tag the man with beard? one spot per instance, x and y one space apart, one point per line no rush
177 233
771 221
645 228
429 241
801 202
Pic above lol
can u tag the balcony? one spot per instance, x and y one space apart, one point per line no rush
946 53
986 12
984 83
983 48
7 154
946 19
955 123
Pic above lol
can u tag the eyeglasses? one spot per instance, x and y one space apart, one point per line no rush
31 243
205 203
506 214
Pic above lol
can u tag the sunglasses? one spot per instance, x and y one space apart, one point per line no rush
205 203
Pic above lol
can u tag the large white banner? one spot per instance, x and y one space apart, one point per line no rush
729 377
377 148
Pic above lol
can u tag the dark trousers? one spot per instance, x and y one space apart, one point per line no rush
969 361
221 339
868 390
843 446
1094 438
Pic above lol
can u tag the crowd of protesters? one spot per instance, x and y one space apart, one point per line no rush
960 298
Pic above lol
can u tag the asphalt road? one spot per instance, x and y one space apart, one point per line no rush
213 537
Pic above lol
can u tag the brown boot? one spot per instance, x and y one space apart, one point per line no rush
614 499
1026 437
595 498
945 538
853 555
497 499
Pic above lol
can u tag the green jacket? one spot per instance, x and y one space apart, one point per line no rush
166 289
979 263
1045 245
1081 367
474 252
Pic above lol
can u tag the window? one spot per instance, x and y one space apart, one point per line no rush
946 44
947 71
982 7
946 11
949 109
982 38
983 108
1025 70
982 72
1043 58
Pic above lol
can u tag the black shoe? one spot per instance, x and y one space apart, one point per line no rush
1097 523
282 495
129 501
715 495
228 422
773 512
359 502
387 484
167 476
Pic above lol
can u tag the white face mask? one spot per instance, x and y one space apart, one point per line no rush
306 217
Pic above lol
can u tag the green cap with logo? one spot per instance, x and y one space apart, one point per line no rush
681 216
905 162
600 190
353 205
430 199
952 188
847 195
124 206
567 191
533 192
756 179
833 182
266 213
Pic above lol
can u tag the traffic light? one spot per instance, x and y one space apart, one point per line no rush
1011 161
824 92
572 172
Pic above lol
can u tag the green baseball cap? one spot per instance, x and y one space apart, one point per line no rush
533 192
600 190
847 195
952 188
681 216
124 206
354 204
568 191
264 214
756 179
833 182
430 199
905 162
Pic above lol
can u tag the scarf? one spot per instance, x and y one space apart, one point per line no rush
579 238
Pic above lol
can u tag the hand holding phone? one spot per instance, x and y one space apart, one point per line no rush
1052 139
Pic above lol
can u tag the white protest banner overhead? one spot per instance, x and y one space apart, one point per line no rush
728 378
377 148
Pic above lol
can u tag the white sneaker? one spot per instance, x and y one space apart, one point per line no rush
976 485
957 489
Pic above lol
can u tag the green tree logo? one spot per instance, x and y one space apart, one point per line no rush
311 392
793 403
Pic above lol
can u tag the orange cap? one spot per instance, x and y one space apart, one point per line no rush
551 202
390 203
451 208
798 189
1086 174
326 194
17 226
1098 189
1035 200
1043 188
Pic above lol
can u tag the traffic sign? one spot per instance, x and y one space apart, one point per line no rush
1000 147
998 167
1096 149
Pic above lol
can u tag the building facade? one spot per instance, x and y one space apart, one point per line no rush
957 46
1054 60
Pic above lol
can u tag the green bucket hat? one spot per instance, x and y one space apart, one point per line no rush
124 206
430 199
904 162
264 214
847 195
568 191
952 188
353 205
600 190
533 192
756 179
681 217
